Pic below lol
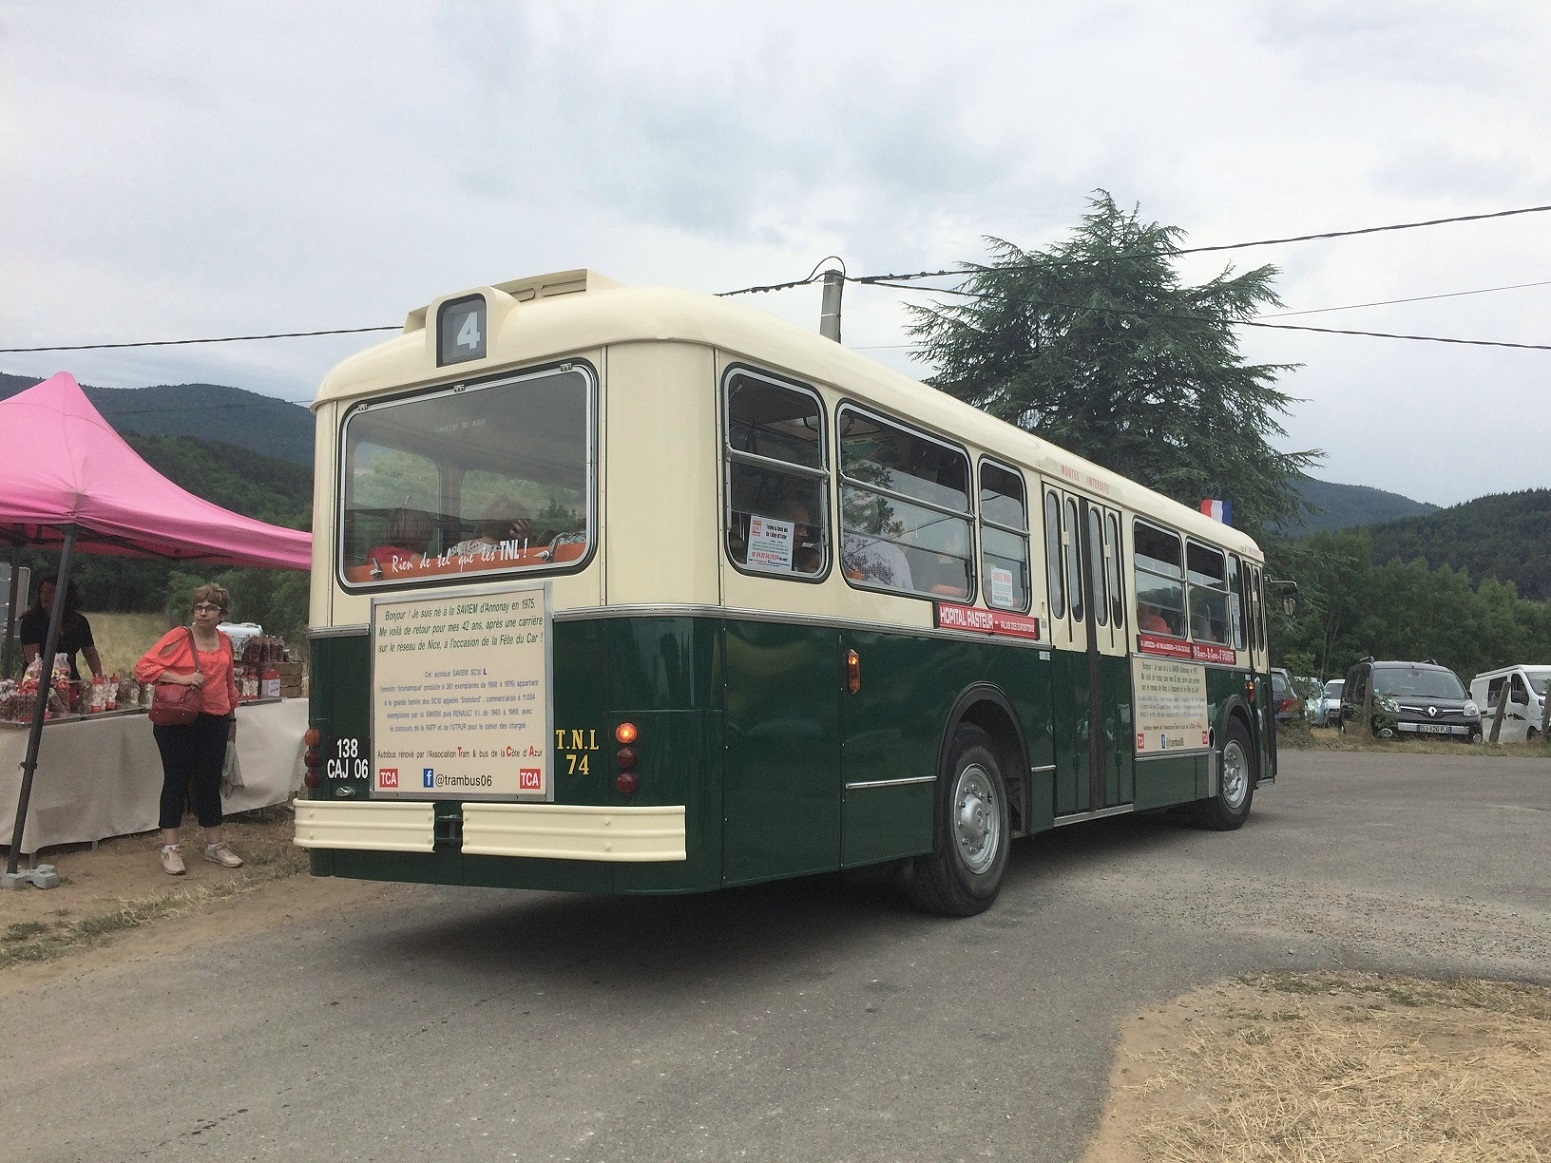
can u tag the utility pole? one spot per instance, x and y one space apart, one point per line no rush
829 310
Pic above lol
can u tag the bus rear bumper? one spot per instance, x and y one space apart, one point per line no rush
547 831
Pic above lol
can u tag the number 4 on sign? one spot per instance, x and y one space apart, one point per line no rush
468 334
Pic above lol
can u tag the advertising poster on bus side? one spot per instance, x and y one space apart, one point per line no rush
1171 712
460 695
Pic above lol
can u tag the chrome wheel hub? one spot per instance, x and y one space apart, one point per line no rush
1235 775
977 820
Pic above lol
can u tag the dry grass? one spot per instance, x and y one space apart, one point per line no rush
1336 1067
122 638
1300 737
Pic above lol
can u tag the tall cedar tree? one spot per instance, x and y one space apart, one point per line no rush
1096 346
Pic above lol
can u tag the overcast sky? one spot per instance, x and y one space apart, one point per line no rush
177 170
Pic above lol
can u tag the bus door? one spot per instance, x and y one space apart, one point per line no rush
1112 781
1089 676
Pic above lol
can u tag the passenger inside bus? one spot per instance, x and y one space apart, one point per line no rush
865 558
505 520
408 535
807 538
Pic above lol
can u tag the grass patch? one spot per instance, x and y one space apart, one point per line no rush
122 638
269 856
1362 1067
1301 737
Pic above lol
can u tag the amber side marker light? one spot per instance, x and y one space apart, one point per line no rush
853 671
625 734
1249 689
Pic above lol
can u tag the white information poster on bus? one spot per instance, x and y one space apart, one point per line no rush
460 695
1170 705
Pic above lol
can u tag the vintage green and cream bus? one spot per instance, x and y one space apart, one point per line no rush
636 590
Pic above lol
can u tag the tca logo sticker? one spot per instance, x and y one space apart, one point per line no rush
530 779
387 777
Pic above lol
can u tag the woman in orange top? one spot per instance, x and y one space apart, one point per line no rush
197 750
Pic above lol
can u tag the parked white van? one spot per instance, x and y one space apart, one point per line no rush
1526 687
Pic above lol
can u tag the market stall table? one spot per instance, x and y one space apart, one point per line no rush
101 775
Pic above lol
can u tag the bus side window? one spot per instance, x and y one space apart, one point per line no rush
1236 600
1053 555
1071 536
777 478
905 511
1160 580
1207 573
1112 564
1096 568
1004 538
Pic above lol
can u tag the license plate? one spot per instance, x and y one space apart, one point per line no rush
1432 728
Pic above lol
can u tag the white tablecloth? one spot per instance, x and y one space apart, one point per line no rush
103 777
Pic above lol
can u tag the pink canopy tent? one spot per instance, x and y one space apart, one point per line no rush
68 480
62 465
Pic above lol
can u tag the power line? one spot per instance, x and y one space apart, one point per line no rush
1172 251
892 280
1413 299
215 339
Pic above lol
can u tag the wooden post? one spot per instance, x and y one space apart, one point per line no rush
1502 705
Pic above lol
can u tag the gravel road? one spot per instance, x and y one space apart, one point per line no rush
794 1022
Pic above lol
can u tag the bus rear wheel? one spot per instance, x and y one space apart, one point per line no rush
1236 777
963 873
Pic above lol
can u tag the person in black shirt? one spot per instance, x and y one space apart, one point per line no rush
75 632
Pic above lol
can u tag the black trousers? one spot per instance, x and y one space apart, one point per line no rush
194 752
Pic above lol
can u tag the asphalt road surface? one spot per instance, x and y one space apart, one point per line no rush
795 1022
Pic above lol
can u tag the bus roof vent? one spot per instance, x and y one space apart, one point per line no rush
559 283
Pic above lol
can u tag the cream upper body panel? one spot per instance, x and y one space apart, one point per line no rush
658 395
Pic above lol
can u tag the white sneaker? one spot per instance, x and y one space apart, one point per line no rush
172 860
222 855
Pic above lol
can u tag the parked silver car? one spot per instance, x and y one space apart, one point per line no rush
1328 712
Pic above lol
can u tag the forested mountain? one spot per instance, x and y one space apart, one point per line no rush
1506 536
208 412
246 482
1347 506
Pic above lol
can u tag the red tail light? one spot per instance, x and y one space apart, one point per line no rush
627 781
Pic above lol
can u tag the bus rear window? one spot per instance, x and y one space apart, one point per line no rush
497 478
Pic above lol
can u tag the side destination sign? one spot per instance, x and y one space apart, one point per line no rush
954 616
460 695
1170 705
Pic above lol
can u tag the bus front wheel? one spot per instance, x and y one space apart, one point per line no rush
963 873
1229 808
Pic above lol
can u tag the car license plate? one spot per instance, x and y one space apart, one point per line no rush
1432 728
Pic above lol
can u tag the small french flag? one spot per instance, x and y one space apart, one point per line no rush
1218 511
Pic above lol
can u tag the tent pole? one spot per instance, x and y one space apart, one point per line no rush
10 605
45 673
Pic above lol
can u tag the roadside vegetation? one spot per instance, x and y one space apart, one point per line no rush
1298 735
98 900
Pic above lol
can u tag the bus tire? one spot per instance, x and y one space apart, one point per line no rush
1236 775
963 873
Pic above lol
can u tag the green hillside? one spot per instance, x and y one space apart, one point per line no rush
1347 506
208 412
1506 536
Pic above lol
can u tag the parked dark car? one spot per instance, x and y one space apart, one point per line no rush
1284 698
1410 700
